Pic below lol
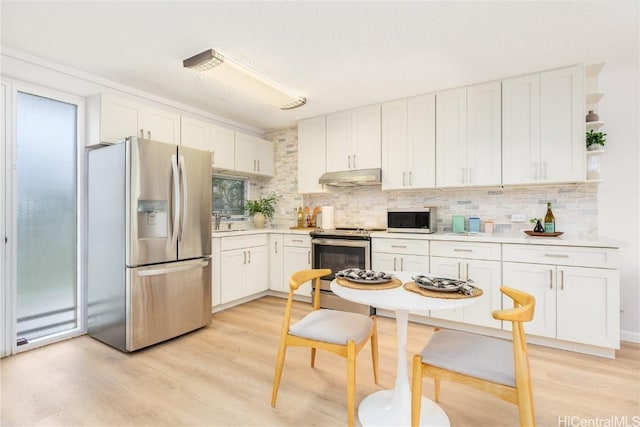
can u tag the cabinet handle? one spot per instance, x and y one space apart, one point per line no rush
309 257
399 246
349 161
213 157
556 256
550 279
535 167
401 264
562 280
141 133
245 257
544 170
148 134
462 175
276 246
467 273
459 276
258 165
462 250
404 179
394 263
249 262
354 160
296 240
469 175
410 179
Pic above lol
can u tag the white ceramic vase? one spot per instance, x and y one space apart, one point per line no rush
258 220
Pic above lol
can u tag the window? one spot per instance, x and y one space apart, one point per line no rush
229 195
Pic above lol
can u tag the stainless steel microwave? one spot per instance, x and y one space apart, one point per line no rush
412 220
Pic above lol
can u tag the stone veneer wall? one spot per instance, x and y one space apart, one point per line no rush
574 205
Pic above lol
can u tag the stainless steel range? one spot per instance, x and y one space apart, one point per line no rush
339 249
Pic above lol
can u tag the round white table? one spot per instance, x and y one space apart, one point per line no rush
393 407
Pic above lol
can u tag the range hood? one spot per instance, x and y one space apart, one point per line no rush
352 178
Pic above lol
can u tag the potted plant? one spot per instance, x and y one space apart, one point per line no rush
262 209
595 140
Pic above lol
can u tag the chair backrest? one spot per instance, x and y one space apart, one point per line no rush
522 311
299 278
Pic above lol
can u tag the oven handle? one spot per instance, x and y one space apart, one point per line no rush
342 242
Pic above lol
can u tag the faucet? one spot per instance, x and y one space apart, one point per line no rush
217 217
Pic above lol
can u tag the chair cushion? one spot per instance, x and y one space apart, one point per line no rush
332 326
475 355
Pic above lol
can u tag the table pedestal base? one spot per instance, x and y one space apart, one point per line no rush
380 409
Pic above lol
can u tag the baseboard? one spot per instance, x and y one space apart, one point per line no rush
629 336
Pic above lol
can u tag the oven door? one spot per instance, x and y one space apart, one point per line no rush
336 255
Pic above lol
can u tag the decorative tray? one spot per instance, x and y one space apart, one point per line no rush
369 277
536 234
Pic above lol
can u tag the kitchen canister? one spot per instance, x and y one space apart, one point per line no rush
327 218
474 224
458 224
488 226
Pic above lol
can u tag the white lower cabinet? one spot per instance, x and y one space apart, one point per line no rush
243 266
297 256
573 303
400 255
276 263
479 262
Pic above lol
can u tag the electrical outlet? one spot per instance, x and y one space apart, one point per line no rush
517 218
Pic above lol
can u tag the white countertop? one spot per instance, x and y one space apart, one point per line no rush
508 237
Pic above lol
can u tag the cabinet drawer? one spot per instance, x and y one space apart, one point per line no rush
563 255
297 240
467 250
241 242
401 246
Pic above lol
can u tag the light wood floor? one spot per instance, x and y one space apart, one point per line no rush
222 375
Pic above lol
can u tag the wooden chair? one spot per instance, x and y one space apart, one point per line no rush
339 332
493 365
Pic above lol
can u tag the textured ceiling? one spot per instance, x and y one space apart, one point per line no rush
338 54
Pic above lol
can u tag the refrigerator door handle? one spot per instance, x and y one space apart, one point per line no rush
176 199
184 195
167 270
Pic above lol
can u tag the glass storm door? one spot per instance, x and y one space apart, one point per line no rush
45 217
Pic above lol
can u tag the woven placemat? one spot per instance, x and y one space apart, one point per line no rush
393 283
413 287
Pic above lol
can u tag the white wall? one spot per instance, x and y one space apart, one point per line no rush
619 194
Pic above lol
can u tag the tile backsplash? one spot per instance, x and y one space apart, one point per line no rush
574 205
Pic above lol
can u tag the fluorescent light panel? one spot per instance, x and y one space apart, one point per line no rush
215 65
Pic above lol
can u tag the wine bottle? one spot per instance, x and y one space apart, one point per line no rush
549 220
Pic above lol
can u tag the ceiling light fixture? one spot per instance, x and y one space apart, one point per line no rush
224 69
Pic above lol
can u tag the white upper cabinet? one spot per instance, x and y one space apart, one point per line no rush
311 154
353 139
543 127
408 143
484 134
217 140
194 133
451 137
159 125
112 118
468 136
562 125
222 147
253 155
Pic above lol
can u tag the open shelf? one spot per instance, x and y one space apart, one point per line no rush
594 125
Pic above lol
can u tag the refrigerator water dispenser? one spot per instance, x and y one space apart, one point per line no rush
152 219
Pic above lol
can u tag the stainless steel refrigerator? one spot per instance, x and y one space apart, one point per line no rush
149 242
